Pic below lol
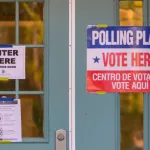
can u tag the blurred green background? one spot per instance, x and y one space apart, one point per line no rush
131 104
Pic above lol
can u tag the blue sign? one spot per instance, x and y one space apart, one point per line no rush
118 37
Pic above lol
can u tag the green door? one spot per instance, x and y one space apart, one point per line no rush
111 121
42 26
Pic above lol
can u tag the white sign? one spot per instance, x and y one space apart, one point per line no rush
118 59
10 121
12 62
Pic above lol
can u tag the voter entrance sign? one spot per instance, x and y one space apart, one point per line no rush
12 62
118 59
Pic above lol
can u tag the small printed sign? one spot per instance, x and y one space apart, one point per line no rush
12 62
10 121
118 59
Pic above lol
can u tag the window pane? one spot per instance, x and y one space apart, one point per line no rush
31 22
7 35
131 13
7 23
32 115
131 104
34 70
131 120
7 85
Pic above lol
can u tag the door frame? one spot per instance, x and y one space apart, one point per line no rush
71 74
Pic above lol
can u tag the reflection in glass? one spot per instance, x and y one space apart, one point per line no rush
131 104
32 115
7 85
7 35
7 23
34 70
131 13
131 120
31 22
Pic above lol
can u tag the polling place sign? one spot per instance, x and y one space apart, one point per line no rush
12 62
118 59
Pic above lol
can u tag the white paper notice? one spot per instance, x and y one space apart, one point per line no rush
10 121
12 62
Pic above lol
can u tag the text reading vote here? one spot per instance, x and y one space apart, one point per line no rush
136 59
6 56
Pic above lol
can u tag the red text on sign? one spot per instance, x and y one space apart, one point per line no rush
140 59
114 59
